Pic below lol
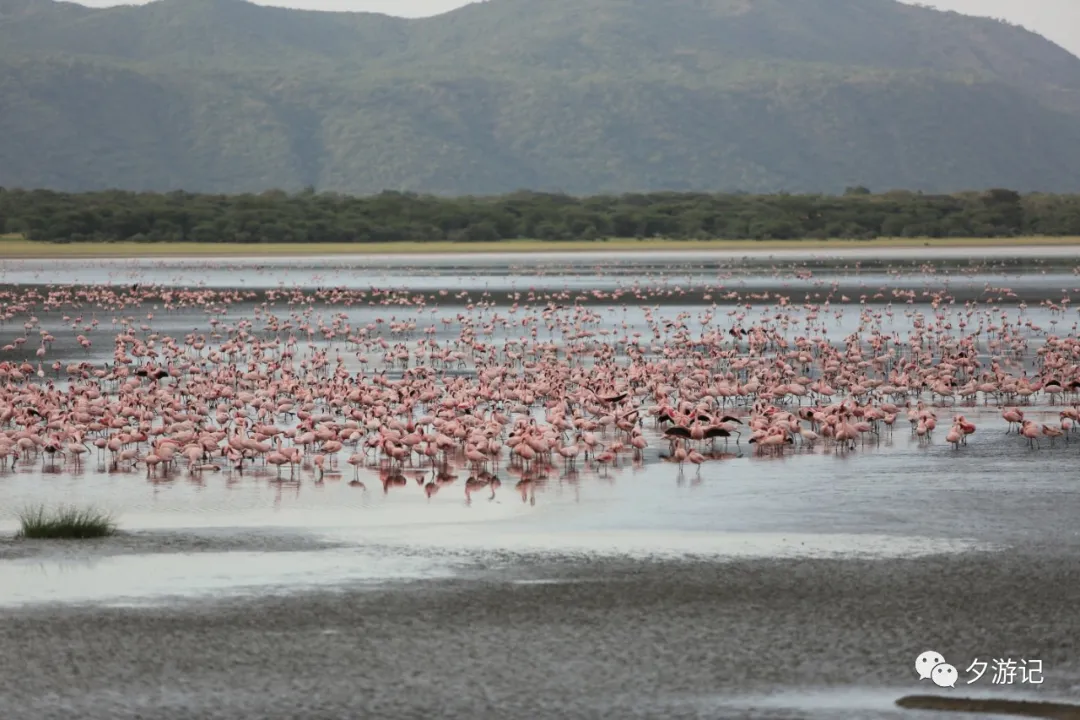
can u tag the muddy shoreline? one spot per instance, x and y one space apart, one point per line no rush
559 638
159 542
20 249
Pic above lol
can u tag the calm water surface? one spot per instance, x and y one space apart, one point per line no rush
890 498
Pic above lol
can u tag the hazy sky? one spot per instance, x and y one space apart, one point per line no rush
1058 20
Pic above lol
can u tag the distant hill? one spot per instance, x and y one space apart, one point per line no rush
575 96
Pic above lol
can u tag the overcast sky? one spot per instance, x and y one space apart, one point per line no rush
1058 20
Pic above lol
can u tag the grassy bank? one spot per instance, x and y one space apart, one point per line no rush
64 523
14 246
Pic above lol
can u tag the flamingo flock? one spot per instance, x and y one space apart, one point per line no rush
439 386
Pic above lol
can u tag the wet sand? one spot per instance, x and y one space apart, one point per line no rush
570 638
207 540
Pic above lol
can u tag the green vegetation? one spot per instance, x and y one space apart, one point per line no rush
277 217
64 522
574 96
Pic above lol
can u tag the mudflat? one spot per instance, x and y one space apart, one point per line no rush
572 637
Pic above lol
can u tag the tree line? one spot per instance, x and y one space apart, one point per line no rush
311 217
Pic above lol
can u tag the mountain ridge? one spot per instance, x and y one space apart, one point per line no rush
583 97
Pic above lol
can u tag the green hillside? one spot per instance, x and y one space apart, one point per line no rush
576 96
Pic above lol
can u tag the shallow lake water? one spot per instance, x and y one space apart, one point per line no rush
891 496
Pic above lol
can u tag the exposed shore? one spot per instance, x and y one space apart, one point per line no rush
550 638
162 542
17 248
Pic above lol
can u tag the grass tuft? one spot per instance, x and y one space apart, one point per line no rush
64 522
